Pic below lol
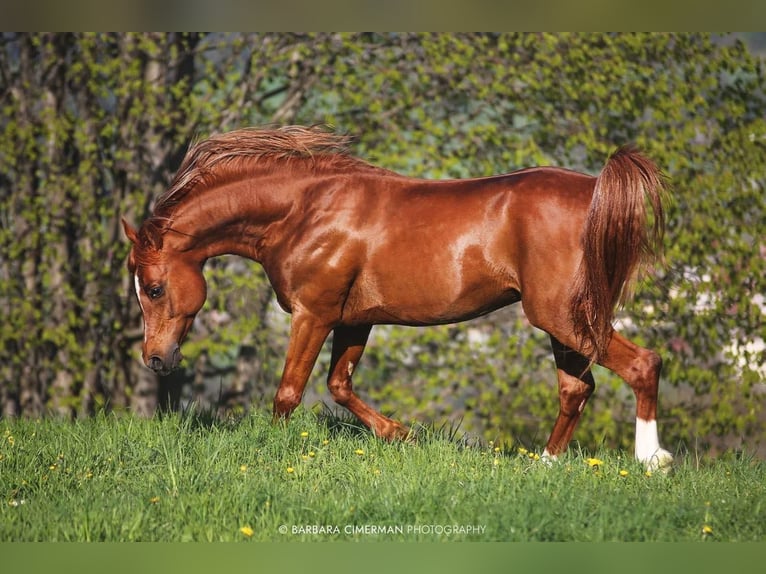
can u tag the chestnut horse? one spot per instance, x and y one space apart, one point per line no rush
347 245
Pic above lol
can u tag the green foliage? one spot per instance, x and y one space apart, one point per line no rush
197 478
94 125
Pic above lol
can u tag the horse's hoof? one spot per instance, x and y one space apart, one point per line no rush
660 461
392 431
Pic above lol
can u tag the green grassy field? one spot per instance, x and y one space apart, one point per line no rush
190 478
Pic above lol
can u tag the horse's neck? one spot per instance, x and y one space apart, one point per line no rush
231 219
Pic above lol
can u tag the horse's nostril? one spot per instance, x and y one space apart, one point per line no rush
156 364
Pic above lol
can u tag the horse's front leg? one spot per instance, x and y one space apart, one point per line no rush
347 347
307 334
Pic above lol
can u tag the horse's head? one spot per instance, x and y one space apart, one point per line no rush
171 290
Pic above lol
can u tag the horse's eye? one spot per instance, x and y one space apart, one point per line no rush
155 292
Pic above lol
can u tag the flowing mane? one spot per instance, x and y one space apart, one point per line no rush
206 159
233 155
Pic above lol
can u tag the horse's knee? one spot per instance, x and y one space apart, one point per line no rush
286 401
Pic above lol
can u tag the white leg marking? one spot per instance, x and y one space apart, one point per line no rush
548 458
648 448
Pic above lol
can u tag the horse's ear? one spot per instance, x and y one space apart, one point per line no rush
151 237
130 232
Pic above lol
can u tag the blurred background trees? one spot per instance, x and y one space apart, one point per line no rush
93 127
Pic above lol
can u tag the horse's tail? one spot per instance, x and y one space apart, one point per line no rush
624 226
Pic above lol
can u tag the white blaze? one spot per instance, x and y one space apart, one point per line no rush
138 295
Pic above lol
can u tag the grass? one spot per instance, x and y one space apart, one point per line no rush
192 478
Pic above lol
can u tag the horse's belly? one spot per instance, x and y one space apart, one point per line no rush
417 300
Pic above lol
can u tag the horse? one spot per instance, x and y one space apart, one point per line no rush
347 245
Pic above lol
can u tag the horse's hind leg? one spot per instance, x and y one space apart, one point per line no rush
639 367
641 370
347 347
575 387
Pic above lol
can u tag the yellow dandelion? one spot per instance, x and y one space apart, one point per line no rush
242 468
304 457
497 449
534 456
648 473
11 440
290 470
594 462
325 442
312 454
154 499
707 530
304 434
247 531
623 473
522 451
54 466
359 451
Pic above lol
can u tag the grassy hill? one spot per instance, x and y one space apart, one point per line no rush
318 478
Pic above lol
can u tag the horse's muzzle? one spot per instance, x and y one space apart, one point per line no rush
164 365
